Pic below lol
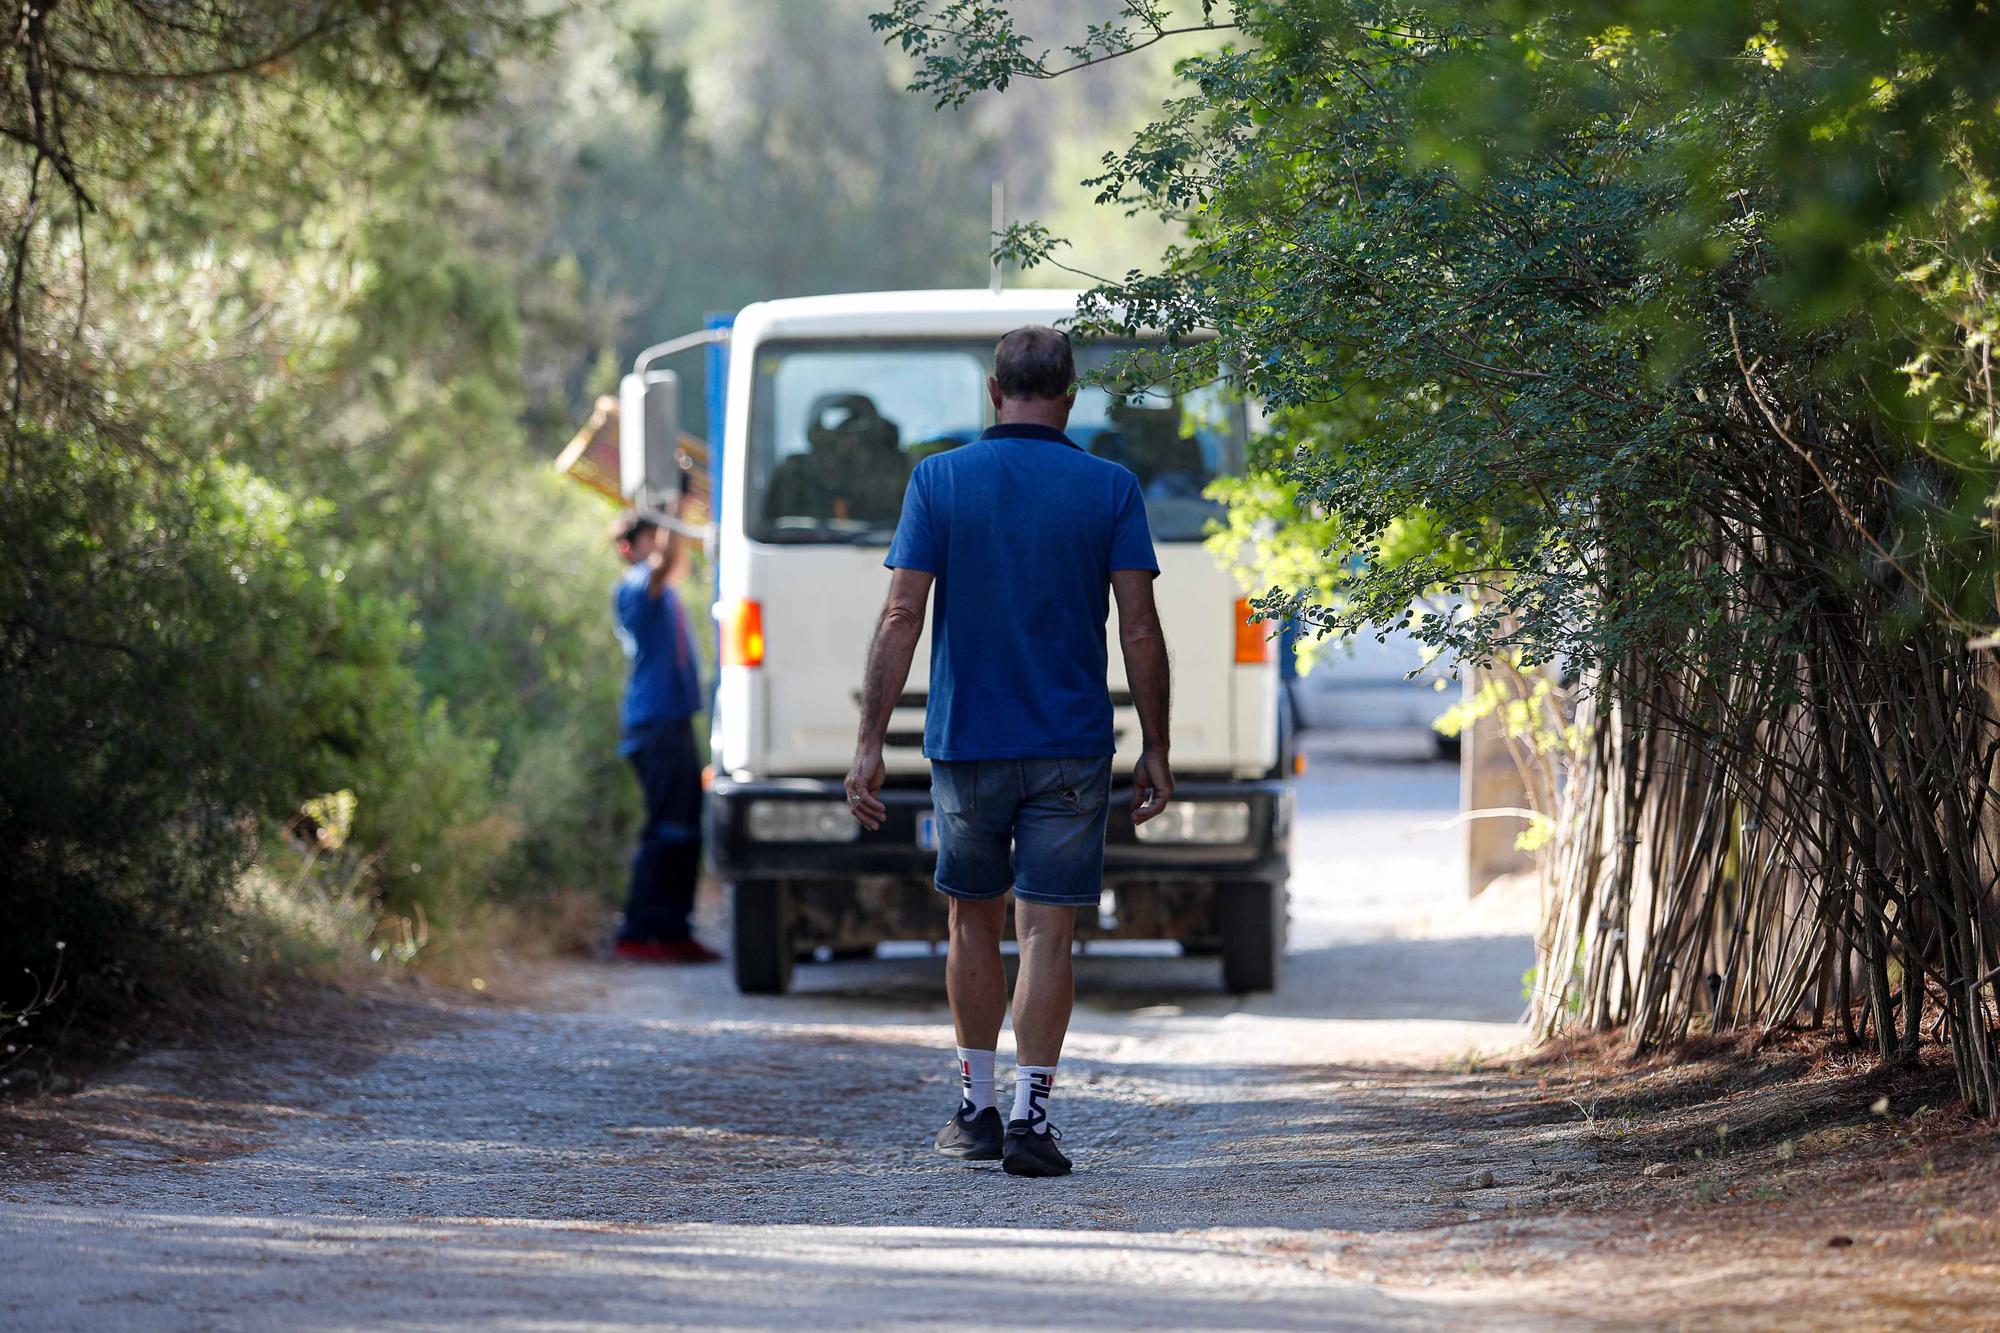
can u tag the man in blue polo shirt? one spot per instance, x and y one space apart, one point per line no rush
1027 539
661 697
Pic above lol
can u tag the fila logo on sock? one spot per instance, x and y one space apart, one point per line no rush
1039 1087
975 1080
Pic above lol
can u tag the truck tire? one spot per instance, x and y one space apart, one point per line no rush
1253 936
760 943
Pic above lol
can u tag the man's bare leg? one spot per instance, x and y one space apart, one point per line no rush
977 987
1045 991
1043 995
973 978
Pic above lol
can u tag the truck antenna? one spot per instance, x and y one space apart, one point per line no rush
999 226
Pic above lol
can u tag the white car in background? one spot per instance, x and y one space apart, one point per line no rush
1362 683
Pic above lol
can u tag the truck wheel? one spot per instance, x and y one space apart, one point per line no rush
760 944
1253 936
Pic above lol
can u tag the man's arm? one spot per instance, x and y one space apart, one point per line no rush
668 565
895 643
1144 645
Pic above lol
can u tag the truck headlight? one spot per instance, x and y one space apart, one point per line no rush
801 821
1198 821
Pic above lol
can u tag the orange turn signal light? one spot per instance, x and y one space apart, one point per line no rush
1254 639
743 633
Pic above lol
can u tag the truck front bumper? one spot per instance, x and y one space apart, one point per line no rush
893 851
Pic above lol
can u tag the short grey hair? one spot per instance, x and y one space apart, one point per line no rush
1034 362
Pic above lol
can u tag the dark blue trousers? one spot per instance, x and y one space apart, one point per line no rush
666 865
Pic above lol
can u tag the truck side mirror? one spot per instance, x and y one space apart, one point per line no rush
649 434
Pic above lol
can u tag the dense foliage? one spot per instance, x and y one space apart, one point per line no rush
1662 334
270 531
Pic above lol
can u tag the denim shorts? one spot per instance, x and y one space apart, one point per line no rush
1033 825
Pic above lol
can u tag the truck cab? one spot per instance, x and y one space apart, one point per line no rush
827 405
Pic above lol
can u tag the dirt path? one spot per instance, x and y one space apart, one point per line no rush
655 1150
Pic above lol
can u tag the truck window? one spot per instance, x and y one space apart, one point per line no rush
837 426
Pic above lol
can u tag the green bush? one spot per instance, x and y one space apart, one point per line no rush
271 527
176 675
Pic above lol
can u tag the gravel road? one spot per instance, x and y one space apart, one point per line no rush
652 1149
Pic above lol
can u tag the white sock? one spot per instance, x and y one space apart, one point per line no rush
1032 1085
975 1078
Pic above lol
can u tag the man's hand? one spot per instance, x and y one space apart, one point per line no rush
1146 671
1152 786
863 784
889 654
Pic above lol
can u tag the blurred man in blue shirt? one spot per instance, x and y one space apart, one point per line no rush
661 698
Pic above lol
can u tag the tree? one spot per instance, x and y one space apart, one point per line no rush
227 333
1671 327
100 91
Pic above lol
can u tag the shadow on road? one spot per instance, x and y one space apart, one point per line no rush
1473 979
220 1272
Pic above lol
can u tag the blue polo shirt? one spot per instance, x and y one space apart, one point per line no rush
1022 530
665 685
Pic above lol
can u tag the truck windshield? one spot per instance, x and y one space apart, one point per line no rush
836 427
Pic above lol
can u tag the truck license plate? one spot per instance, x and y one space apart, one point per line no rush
926 830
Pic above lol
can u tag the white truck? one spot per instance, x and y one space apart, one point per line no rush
819 408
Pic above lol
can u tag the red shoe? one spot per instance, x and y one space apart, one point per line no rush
643 951
664 951
690 951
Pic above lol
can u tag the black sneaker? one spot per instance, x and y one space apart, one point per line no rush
1030 1154
976 1139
